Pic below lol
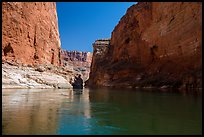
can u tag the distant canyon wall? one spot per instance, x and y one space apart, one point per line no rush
78 61
30 33
154 44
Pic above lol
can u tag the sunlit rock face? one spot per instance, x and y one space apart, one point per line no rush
40 77
154 44
30 33
78 61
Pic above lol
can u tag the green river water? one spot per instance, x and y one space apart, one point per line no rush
101 112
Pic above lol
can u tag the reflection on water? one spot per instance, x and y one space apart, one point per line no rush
101 111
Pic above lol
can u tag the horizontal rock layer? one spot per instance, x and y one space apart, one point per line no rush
154 44
78 61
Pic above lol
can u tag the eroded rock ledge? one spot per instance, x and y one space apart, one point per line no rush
39 76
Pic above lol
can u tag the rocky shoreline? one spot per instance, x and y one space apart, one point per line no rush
40 76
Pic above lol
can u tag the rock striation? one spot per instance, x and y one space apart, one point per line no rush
78 61
30 33
156 44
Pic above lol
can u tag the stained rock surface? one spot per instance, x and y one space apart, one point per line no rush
30 33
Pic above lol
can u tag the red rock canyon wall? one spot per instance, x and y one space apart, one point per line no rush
154 44
30 33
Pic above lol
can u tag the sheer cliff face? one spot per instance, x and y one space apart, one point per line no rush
154 44
30 33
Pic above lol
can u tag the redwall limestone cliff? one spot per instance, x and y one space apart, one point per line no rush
154 44
30 33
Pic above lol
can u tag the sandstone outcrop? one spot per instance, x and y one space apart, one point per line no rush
30 33
156 44
78 61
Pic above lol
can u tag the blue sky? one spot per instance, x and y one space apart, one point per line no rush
81 23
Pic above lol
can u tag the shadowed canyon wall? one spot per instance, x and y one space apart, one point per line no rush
100 50
154 44
30 33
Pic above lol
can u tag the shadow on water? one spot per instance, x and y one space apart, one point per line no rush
77 91
149 111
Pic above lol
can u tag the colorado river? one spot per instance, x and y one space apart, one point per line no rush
100 112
